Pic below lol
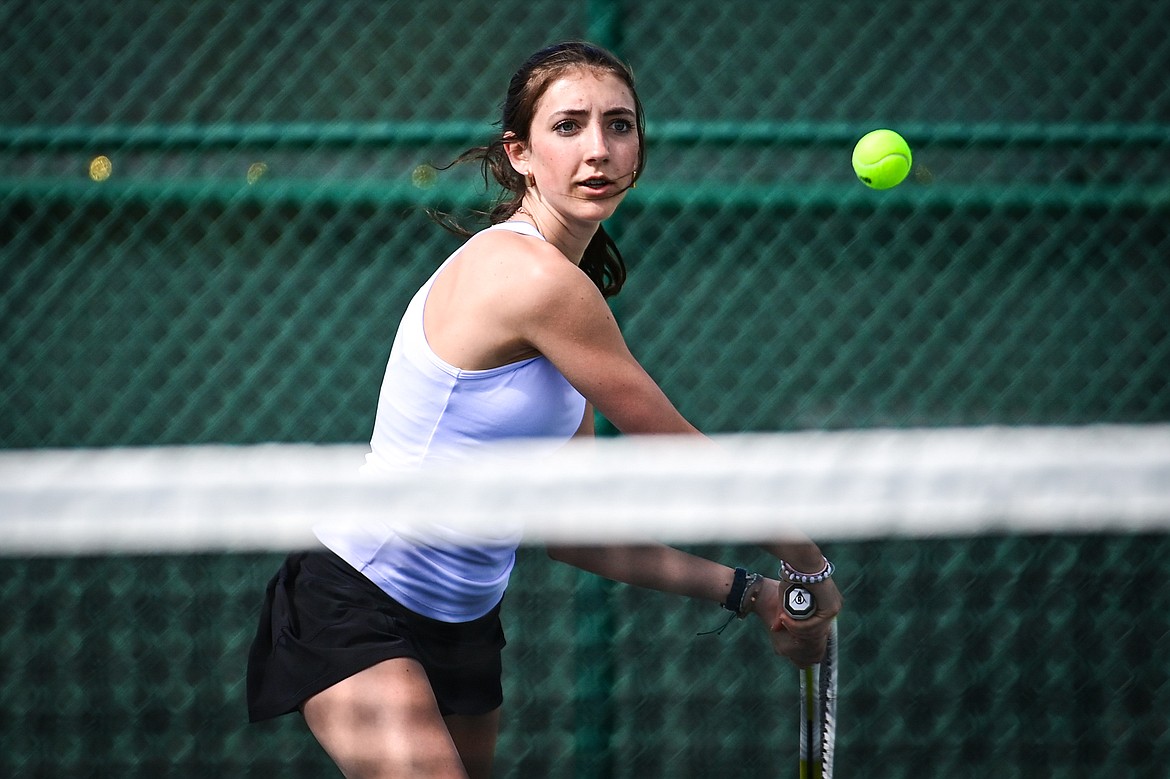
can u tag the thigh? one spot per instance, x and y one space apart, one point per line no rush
384 722
475 738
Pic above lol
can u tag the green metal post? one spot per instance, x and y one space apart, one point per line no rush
592 704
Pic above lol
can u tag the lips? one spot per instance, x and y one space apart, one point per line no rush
598 185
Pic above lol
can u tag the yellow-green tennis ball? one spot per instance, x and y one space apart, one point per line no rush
881 159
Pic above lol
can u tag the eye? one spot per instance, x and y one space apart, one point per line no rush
565 126
623 126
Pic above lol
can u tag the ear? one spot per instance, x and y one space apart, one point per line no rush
517 152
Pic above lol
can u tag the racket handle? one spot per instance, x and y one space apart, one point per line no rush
799 602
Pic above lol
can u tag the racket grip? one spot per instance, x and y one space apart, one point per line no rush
799 602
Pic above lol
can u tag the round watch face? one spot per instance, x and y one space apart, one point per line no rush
798 602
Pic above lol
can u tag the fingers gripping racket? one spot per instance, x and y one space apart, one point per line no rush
818 695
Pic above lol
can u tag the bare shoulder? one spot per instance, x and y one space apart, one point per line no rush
536 273
503 247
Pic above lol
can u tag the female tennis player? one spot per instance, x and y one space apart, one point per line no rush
388 642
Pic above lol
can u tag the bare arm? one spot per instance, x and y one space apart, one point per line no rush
565 318
652 566
673 571
561 314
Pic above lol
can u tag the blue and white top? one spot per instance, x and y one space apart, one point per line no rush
432 413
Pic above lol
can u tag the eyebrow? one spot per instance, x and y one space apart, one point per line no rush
575 112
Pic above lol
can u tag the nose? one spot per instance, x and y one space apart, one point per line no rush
597 147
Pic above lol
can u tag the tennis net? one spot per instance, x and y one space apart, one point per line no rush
1007 606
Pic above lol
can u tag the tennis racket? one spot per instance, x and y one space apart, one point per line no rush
818 695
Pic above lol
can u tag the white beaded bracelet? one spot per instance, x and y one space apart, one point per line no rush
793 576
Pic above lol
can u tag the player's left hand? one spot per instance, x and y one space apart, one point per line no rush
801 641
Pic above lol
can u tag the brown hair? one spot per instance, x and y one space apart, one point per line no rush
602 261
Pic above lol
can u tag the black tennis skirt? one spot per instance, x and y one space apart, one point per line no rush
322 622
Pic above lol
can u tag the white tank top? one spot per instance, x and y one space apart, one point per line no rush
429 413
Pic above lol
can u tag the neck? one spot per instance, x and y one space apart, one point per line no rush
571 240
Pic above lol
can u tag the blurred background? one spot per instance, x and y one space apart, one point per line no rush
213 214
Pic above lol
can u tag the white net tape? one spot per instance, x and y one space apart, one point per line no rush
835 485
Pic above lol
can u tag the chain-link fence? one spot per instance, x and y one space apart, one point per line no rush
211 217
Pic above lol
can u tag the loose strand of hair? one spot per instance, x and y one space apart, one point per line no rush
494 166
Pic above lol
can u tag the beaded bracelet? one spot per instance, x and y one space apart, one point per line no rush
793 576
